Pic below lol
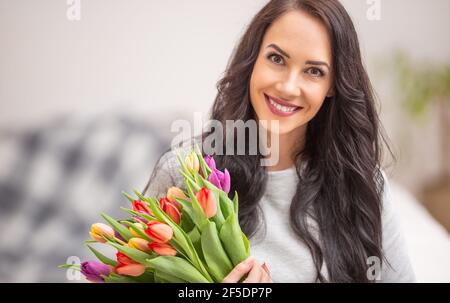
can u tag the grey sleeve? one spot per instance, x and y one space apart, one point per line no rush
164 175
166 171
395 249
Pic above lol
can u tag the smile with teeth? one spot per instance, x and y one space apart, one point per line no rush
286 109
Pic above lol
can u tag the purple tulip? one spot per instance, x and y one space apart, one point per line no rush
220 179
141 219
93 271
210 162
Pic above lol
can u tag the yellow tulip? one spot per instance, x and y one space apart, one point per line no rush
98 230
192 162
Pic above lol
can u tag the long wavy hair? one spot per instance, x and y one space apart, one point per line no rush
340 181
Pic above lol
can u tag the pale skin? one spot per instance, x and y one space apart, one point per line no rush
294 64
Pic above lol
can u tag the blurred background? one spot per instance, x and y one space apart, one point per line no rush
88 91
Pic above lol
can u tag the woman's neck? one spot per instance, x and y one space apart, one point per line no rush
288 145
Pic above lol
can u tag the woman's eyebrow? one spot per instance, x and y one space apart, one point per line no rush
311 62
278 49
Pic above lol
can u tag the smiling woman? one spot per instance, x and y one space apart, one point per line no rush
323 212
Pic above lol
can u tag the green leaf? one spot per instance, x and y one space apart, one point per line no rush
163 277
199 216
139 231
191 181
231 237
181 238
216 258
115 278
122 230
205 168
135 254
178 268
102 257
236 204
130 198
135 213
71 266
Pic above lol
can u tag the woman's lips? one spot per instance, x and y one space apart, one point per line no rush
278 111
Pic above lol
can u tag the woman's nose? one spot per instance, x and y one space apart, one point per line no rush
289 87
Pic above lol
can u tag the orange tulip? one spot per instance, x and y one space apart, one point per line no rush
162 249
134 270
175 192
207 201
100 229
170 209
159 232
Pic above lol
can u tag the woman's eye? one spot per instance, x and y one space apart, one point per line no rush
315 72
275 58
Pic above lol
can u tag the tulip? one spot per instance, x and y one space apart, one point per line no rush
94 271
210 162
170 209
140 219
134 270
138 243
192 162
138 225
141 207
123 259
162 249
207 201
98 230
220 179
175 192
159 232
127 266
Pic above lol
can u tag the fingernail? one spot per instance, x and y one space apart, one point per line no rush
249 260
265 267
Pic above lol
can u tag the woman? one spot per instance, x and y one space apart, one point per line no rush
323 212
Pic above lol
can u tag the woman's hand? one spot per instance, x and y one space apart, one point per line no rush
256 273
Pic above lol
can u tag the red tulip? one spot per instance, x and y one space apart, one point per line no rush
127 266
170 209
141 207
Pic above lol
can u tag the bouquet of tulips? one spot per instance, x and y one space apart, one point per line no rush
191 236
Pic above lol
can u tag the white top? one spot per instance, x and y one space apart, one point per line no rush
288 259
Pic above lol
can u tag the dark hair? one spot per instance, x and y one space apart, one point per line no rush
340 185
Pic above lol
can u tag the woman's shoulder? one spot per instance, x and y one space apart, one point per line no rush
166 171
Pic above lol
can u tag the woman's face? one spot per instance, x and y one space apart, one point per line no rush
292 74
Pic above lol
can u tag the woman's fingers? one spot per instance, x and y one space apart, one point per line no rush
255 274
239 271
266 274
